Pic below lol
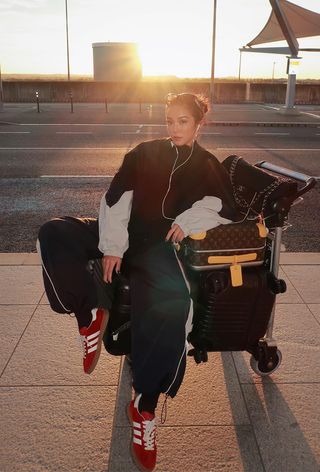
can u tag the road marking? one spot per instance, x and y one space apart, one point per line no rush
138 132
266 124
73 132
88 124
216 122
15 132
64 148
274 134
150 132
245 108
76 176
126 148
263 149
271 108
310 114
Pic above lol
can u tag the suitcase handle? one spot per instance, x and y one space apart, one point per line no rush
306 179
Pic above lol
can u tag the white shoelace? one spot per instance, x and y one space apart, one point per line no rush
83 344
149 432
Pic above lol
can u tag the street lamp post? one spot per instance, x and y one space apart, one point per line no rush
213 50
240 57
67 35
68 60
1 91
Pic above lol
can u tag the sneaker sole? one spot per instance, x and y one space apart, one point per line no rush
98 352
135 460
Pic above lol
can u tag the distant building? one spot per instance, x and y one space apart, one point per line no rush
116 62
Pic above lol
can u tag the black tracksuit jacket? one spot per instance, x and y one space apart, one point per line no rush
138 210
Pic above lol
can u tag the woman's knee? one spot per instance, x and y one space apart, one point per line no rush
51 229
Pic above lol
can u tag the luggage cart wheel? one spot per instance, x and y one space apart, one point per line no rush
264 367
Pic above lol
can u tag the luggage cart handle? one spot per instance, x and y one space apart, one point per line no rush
306 179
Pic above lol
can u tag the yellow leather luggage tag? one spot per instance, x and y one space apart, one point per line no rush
236 275
263 231
235 267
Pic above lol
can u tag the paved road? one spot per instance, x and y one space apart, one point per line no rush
152 113
49 170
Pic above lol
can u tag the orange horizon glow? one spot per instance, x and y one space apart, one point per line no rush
174 38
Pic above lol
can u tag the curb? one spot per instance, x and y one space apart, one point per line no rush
33 259
208 123
263 123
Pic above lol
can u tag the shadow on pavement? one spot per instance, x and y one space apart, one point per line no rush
280 440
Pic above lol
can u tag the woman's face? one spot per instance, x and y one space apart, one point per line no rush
182 127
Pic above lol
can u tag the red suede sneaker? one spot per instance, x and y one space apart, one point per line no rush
143 446
92 338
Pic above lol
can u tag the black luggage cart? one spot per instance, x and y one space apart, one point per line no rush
228 318
231 318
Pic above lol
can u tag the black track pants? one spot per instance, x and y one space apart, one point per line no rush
161 308
65 245
161 314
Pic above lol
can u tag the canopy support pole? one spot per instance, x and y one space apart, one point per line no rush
289 108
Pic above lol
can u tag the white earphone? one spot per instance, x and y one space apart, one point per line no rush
173 170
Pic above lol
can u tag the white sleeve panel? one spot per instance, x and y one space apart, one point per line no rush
203 215
113 225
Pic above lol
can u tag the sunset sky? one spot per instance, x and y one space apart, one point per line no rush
174 36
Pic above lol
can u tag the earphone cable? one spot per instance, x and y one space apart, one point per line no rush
174 169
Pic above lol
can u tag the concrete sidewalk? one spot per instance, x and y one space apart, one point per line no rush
225 417
246 114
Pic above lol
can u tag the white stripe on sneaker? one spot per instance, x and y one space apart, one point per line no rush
93 335
137 432
136 425
91 349
93 342
137 440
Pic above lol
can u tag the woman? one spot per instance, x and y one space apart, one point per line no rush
165 190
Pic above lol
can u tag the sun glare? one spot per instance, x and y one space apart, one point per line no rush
174 37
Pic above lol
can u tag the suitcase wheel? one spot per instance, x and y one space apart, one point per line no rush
266 366
198 355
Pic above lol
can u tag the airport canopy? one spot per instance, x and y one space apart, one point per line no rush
304 23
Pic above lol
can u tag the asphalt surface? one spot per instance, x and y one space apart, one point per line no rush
153 113
49 168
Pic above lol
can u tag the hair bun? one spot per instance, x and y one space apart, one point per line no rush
197 103
202 103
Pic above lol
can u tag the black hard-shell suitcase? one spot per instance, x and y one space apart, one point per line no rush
231 318
117 337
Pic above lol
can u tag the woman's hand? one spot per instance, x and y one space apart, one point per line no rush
109 263
175 234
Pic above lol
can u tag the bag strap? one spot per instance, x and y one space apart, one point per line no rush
241 202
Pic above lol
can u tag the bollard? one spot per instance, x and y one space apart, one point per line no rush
1 91
71 101
106 103
38 103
